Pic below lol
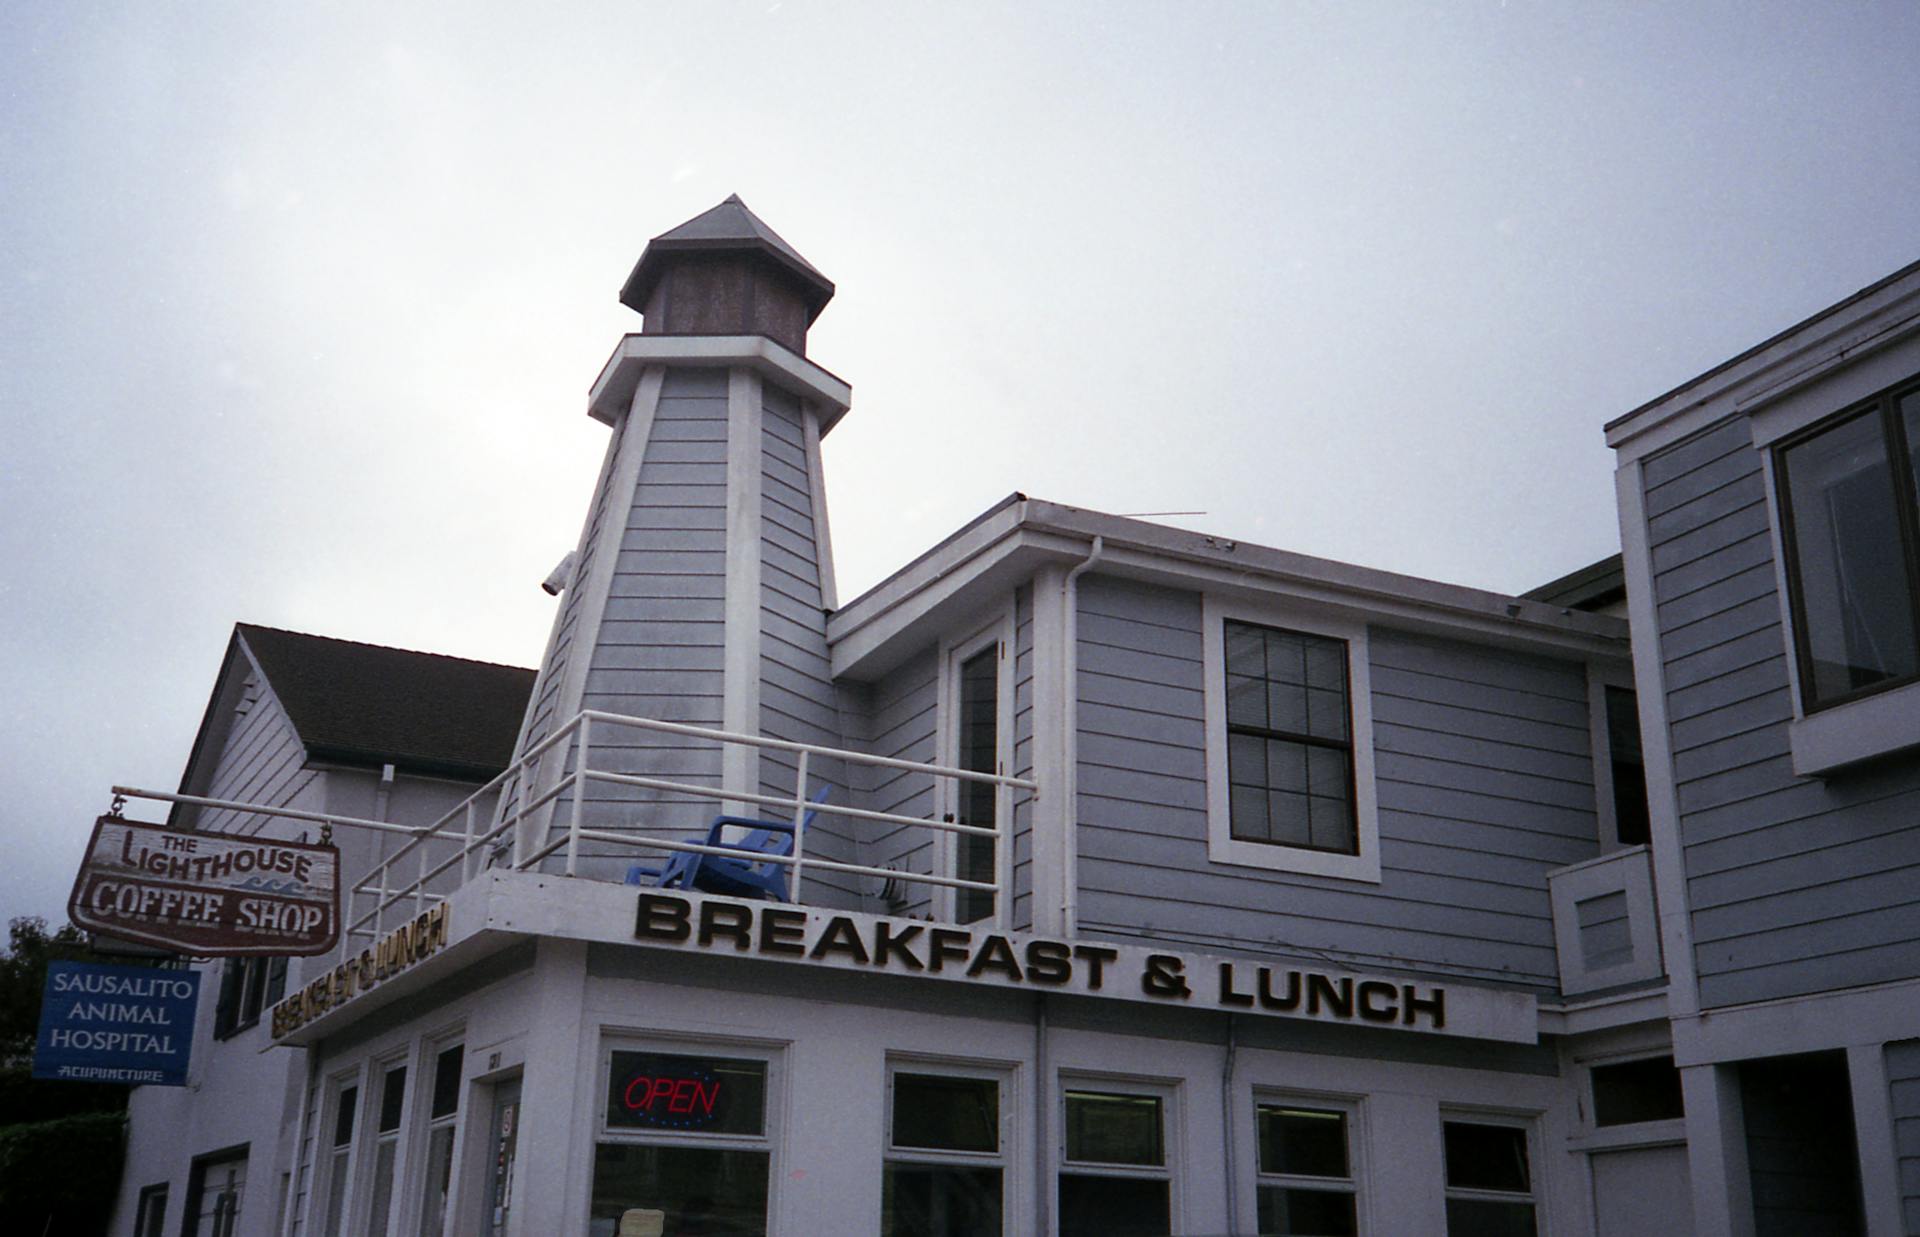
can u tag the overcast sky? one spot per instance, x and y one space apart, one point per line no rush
302 301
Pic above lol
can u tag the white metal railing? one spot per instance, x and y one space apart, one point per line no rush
459 836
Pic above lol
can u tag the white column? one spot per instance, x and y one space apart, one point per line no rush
554 1155
740 701
1717 1151
1049 815
1873 1135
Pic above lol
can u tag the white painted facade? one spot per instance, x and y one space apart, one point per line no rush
1086 660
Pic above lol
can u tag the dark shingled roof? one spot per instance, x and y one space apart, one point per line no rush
365 704
728 226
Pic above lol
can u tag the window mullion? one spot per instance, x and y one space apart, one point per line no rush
1900 456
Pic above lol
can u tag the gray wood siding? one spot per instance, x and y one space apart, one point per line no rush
797 698
1903 1084
1483 777
1794 885
262 761
660 647
902 710
1022 909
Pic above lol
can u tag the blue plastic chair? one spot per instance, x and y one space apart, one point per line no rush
723 874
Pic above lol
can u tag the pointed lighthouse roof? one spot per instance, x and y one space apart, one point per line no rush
729 228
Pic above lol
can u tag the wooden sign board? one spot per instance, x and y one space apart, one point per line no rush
207 894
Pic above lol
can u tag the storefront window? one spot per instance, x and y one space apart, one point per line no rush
339 1160
1116 1183
944 1174
386 1150
685 1144
1489 1180
441 1119
1306 1172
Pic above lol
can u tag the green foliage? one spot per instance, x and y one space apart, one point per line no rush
61 1176
23 978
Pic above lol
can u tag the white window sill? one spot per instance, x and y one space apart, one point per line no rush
1362 867
1877 725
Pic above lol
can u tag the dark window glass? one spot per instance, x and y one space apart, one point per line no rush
151 1220
1630 817
1487 1157
343 1117
1113 1129
1479 1217
665 1091
393 1092
698 1189
1287 1211
446 1081
1093 1206
1303 1142
1289 746
946 1114
940 1200
1849 554
1636 1091
979 736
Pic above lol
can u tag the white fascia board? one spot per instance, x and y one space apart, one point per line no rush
1810 1023
612 391
1226 567
1640 1007
1201 563
1864 323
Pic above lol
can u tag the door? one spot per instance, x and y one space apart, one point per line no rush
1641 1191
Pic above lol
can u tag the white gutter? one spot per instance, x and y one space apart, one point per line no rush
1069 734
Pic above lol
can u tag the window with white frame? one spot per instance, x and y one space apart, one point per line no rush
391 1079
216 1185
1307 1179
977 716
684 1138
339 1159
1849 496
1289 742
1115 1179
443 1114
1489 1178
944 1173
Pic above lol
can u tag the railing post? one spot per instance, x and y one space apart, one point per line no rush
420 883
579 787
799 821
467 848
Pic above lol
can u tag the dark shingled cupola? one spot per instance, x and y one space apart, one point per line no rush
726 273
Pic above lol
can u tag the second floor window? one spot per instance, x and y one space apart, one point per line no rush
1851 532
1289 739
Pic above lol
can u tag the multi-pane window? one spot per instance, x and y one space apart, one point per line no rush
978 733
1489 1180
386 1147
1115 1181
1289 739
215 1188
684 1139
340 1161
247 987
945 1165
441 1119
1848 490
1307 1184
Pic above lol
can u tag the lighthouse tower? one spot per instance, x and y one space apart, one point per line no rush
700 586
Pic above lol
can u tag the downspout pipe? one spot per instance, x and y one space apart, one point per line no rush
1226 1125
1069 736
1042 1126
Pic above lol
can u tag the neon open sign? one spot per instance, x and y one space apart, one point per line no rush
665 1091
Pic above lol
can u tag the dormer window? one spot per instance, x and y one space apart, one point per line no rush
1849 526
1289 742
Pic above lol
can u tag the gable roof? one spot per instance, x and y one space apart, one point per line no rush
366 704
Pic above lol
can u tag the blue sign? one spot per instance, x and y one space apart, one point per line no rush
116 1024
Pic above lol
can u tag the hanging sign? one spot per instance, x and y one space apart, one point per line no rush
208 894
129 1024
